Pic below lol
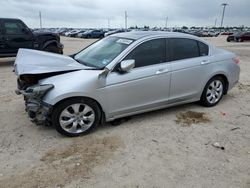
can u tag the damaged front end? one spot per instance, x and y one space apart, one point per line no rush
31 66
38 111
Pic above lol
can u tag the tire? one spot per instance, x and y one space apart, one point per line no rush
240 40
228 40
76 121
213 92
52 48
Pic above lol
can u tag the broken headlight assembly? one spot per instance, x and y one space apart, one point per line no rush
37 91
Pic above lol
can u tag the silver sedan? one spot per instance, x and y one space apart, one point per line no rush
122 75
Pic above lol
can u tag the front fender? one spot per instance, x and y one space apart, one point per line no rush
83 83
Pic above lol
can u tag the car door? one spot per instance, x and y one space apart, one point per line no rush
146 86
2 42
247 36
16 35
189 72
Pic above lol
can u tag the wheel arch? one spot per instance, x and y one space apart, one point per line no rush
48 43
224 77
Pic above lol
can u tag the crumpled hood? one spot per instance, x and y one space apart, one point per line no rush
38 62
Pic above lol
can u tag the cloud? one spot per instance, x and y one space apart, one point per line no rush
89 13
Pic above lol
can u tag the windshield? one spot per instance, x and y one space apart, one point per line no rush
102 52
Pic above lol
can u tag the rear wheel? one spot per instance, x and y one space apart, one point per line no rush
213 92
75 117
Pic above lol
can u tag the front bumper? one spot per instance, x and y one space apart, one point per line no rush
38 111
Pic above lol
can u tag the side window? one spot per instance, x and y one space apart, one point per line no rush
149 53
13 28
182 48
203 49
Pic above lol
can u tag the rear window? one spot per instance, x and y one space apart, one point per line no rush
203 49
182 48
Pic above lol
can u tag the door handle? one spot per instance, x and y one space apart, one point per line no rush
204 62
161 71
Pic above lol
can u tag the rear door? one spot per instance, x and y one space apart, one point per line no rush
189 60
16 35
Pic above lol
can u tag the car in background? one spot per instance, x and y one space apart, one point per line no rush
210 34
74 33
80 33
114 32
122 75
14 34
239 37
226 33
93 34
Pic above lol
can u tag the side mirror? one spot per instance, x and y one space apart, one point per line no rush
127 65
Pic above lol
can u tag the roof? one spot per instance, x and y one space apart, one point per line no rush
9 19
135 35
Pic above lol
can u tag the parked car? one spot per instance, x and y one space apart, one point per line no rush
80 33
122 75
227 33
114 32
239 37
93 34
14 34
74 33
209 34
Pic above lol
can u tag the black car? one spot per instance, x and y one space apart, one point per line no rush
239 37
14 34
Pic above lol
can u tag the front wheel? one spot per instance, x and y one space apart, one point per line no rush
240 40
213 92
52 48
75 117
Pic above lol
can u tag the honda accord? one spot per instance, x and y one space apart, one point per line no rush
122 75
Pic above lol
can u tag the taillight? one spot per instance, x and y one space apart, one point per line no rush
236 60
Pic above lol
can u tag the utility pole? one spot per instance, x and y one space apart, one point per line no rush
166 24
126 20
108 23
223 13
215 22
40 17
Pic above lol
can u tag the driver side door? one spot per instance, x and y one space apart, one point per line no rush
144 87
16 35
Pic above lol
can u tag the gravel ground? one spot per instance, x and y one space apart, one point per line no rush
166 148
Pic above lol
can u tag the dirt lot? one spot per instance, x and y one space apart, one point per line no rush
166 148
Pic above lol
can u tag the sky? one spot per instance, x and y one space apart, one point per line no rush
96 13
